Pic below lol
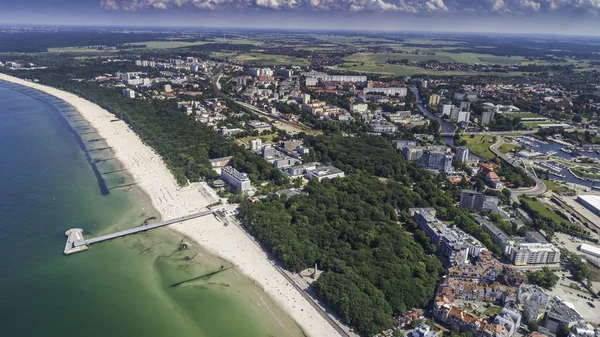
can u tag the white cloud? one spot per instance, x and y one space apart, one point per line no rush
407 6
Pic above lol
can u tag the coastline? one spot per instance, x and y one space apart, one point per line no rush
229 243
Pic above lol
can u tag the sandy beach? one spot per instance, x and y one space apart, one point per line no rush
170 200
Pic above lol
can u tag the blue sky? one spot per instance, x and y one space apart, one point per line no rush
535 16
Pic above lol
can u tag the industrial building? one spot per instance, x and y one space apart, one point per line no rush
589 249
591 202
235 178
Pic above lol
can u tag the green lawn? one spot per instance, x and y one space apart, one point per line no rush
556 187
480 145
590 172
492 310
544 211
507 147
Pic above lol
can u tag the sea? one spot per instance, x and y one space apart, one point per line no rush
57 173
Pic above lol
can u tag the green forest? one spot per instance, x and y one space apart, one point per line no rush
373 267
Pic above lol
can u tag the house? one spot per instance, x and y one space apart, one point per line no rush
493 180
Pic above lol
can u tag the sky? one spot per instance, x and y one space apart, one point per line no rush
580 17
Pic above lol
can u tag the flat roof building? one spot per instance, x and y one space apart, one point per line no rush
591 202
589 249
496 234
325 172
471 200
235 178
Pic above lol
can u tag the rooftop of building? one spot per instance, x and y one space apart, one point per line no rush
326 170
235 173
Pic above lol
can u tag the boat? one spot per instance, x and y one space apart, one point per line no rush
565 150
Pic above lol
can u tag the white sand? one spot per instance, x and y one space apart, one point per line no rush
230 243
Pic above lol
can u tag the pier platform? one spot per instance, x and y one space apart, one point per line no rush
77 243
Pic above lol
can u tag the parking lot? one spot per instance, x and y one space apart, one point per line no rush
579 298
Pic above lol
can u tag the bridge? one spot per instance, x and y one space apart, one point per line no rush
77 243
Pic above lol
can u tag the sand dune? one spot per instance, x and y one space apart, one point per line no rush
230 243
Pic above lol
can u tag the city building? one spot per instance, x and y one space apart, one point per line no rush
220 162
437 160
510 318
255 144
534 301
465 106
450 241
305 98
424 331
462 154
384 127
268 151
359 107
325 172
434 99
300 170
259 126
591 202
291 145
534 250
447 109
561 314
493 180
128 93
471 200
463 116
403 91
498 236
311 81
346 78
487 117
235 178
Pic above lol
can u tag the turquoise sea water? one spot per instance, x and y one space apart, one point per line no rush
48 184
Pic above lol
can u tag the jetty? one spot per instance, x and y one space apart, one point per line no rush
76 242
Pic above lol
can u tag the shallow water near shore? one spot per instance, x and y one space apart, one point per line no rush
140 285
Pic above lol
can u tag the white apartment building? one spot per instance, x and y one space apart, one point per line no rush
235 178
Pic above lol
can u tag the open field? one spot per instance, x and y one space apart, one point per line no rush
469 58
271 59
81 50
400 70
180 44
480 145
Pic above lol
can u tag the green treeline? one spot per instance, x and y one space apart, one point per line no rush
373 266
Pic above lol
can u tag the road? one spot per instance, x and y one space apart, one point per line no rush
539 187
